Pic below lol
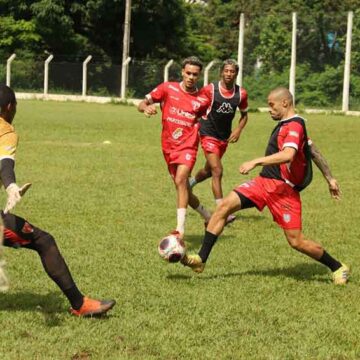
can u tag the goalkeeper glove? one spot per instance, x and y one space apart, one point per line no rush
14 195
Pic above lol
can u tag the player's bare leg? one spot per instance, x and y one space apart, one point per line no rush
297 241
213 168
229 205
216 169
201 175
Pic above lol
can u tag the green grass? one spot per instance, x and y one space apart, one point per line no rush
108 205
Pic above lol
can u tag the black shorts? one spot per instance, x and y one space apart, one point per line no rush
18 232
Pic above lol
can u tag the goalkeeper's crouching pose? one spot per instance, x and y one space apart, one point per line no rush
17 232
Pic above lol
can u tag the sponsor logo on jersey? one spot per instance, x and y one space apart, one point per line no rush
27 228
177 133
181 112
287 218
179 122
225 108
195 104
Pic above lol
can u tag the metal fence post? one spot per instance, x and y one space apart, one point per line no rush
293 57
123 77
346 87
206 72
166 70
8 69
241 49
46 74
84 75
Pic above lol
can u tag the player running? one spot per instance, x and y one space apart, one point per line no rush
216 128
286 171
181 105
19 233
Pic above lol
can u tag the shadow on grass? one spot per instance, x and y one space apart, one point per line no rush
299 272
48 305
194 242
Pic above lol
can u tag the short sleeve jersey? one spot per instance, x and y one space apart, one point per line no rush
218 120
180 113
288 133
8 140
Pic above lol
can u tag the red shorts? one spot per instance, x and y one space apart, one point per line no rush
213 145
282 200
182 157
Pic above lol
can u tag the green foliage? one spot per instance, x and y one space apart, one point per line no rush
319 89
18 34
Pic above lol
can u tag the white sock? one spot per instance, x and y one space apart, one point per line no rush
181 216
203 212
192 182
218 201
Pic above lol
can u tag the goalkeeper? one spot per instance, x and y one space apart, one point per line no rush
20 233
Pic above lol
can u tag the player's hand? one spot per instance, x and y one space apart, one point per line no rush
234 136
334 189
246 167
150 110
14 195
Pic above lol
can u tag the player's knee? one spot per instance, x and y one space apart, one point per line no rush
217 171
295 241
222 209
180 181
45 242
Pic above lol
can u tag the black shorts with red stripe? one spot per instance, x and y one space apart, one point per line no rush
18 232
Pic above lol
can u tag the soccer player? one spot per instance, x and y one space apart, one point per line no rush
18 233
181 106
216 128
286 171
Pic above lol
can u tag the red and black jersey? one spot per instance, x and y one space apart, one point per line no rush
219 117
290 133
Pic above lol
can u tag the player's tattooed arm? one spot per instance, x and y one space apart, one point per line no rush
324 167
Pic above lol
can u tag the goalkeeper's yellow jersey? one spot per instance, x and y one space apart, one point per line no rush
8 140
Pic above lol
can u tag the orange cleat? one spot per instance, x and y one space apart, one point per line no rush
92 307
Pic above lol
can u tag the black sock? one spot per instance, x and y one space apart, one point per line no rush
208 243
75 297
330 262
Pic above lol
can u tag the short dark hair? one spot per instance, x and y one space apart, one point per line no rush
7 96
229 62
192 60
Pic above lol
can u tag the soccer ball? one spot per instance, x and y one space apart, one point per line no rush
171 248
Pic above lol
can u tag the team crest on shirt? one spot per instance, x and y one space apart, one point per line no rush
287 218
188 157
195 105
177 133
27 228
225 108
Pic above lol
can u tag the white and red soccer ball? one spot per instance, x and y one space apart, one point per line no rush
171 248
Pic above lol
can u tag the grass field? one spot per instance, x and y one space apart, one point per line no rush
108 205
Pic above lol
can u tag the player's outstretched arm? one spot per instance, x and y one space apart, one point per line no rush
281 157
323 166
147 108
